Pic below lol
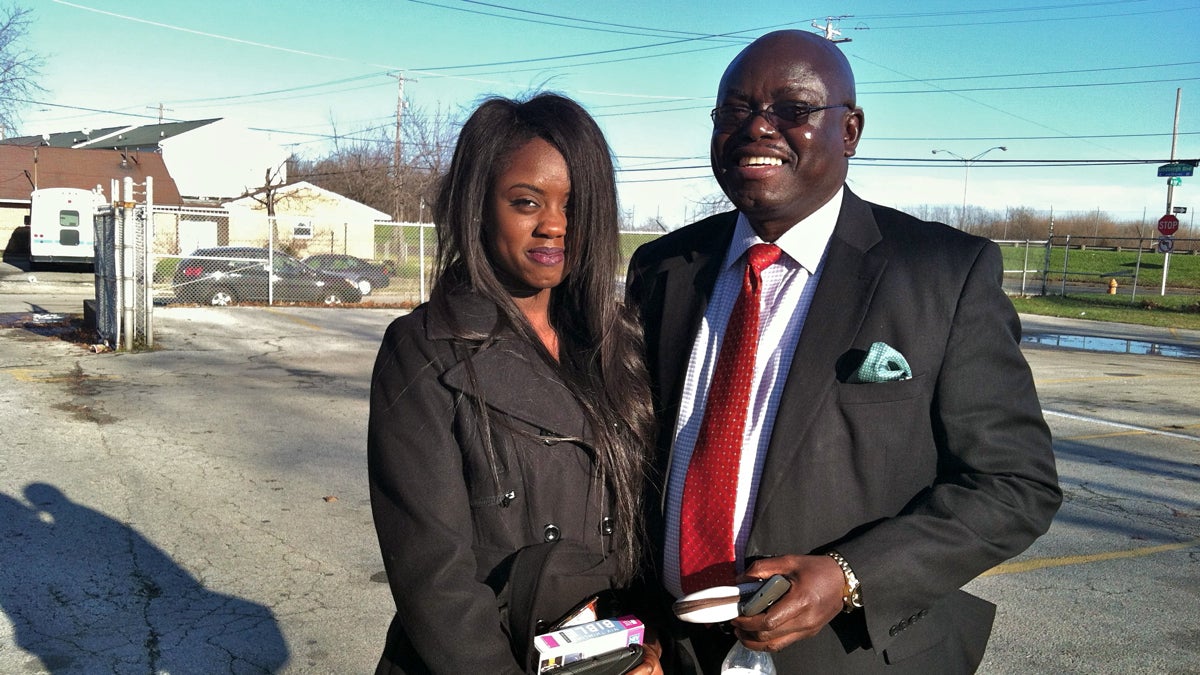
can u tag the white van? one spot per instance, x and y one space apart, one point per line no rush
62 225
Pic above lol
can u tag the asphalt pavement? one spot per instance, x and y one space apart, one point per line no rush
202 507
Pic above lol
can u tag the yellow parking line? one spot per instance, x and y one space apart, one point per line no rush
1142 377
48 377
1092 437
1018 566
296 319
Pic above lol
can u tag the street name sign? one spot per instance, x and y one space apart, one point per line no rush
1175 169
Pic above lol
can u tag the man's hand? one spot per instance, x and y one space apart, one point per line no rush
813 600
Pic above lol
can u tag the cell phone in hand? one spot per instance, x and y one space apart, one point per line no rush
760 600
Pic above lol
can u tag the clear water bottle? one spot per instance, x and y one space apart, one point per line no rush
744 661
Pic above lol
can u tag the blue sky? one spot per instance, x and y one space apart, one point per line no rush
1073 81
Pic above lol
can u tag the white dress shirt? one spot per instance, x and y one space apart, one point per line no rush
787 290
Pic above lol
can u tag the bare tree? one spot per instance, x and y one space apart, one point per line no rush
358 168
429 139
360 165
710 205
19 67
267 195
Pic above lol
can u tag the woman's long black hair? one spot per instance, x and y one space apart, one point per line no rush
600 344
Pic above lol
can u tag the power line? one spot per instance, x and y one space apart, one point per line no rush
1032 74
590 24
1041 19
358 135
1000 10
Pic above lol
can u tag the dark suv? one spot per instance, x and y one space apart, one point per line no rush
224 275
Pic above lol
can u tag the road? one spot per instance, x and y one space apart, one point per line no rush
203 507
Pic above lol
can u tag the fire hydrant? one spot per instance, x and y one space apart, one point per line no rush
1112 286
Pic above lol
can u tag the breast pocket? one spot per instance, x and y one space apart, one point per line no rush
880 392
889 431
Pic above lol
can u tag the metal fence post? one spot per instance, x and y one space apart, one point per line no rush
1066 252
421 256
147 260
1137 270
1025 267
1046 265
126 276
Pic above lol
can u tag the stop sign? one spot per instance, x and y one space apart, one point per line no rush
1168 224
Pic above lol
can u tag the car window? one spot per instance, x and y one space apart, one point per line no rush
288 267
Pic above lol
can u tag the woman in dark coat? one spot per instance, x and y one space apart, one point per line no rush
510 415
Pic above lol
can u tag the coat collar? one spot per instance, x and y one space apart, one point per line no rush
510 374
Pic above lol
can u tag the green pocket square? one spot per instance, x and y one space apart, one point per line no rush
882 364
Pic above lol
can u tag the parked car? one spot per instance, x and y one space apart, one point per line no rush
224 275
364 274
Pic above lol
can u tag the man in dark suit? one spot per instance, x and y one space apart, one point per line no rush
892 446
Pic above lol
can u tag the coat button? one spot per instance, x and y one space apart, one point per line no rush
607 526
550 532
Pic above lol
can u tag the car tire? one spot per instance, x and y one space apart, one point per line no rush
364 286
334 299
222 297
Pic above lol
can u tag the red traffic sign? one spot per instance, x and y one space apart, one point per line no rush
1168 224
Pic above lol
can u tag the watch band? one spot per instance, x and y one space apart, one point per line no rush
851 592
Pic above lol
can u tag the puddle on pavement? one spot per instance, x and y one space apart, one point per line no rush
1111 345
14 319
42 323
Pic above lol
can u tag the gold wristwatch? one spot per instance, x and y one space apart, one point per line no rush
851 593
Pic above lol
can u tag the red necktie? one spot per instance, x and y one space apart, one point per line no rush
706 555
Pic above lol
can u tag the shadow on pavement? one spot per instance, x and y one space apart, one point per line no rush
86 593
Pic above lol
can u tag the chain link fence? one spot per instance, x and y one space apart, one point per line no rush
199 252
1130 266
124 289
219 256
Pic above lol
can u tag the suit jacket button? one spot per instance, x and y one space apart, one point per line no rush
893 631
607 526
550 532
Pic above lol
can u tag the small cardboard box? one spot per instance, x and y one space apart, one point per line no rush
586 640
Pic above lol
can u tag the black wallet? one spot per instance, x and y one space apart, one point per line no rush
609 663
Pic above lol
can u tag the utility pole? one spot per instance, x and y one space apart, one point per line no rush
830 30
1171 190
160 109
397 154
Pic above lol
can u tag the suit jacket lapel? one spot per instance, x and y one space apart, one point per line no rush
848 280
689 282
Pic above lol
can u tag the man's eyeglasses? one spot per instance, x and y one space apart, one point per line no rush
781 114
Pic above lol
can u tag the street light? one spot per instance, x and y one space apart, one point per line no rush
962 215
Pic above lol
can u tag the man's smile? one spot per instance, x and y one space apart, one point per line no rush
760 161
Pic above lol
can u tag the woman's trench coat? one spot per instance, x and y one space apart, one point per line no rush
451 518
